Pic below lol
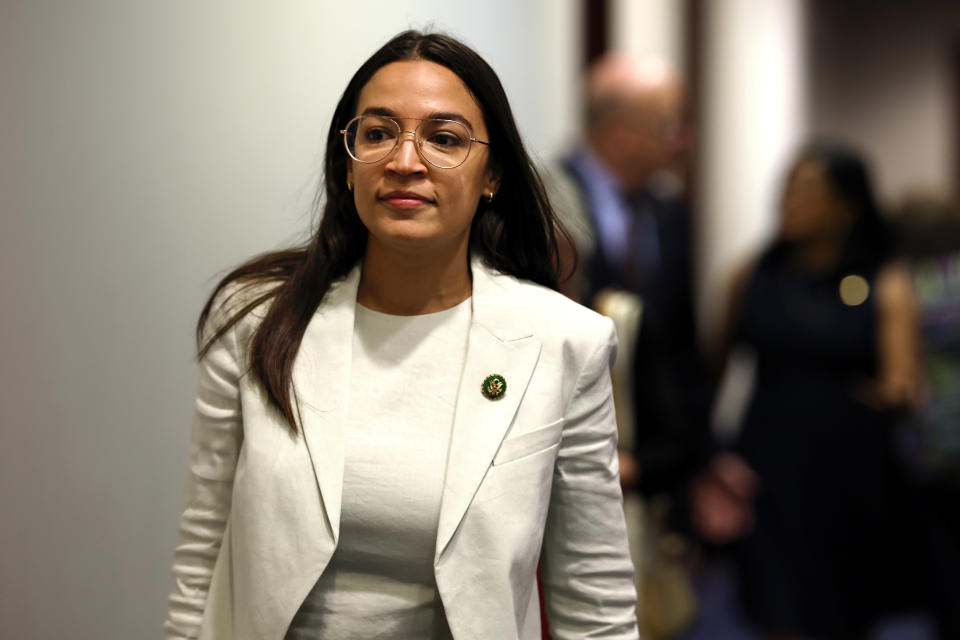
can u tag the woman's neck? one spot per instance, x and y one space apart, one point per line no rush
409 284
818 255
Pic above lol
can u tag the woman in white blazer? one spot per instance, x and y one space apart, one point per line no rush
397 421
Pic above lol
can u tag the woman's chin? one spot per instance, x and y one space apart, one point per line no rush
406 238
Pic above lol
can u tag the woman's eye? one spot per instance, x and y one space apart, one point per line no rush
445 139
377 135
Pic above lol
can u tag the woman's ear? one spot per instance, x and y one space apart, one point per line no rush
492 179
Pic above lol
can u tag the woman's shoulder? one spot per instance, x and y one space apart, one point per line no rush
255 296
894 286
553 315
247 292
237 307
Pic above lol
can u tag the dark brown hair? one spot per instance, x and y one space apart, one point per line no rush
516 234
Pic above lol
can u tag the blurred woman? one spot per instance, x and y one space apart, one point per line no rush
832 323
396 420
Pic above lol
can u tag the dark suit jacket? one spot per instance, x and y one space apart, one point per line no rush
671 390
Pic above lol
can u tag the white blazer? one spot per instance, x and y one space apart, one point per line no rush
532 475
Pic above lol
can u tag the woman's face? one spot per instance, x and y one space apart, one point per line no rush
811 207
407 204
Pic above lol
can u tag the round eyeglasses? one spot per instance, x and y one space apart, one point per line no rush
443 143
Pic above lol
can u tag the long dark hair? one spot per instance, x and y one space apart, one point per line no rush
515 234
867 244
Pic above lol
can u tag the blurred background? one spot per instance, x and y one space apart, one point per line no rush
147 147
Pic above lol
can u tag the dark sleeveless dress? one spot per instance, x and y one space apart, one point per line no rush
818 560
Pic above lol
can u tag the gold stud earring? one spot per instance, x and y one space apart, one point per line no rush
489 196
350 185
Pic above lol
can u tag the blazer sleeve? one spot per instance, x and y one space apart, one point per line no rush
214 448
586 567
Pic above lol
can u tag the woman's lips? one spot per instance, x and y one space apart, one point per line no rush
405 199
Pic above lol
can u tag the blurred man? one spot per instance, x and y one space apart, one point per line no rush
621 194
633 235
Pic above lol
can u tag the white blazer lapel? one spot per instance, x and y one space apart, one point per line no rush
321 379
499 342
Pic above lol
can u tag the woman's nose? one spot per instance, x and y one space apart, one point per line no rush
406 157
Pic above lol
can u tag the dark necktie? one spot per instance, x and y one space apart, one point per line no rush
641 264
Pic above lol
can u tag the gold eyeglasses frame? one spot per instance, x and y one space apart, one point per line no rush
417 141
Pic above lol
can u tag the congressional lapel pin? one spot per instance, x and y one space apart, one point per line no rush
493 387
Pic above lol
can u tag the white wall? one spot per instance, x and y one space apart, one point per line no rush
753 116
882 80
649 28
144 148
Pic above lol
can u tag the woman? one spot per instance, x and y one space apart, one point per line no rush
832 324
397 421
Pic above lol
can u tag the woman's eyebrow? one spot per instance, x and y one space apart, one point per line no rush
378 111
451 115
436 115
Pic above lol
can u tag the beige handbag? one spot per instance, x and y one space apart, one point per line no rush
667 599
